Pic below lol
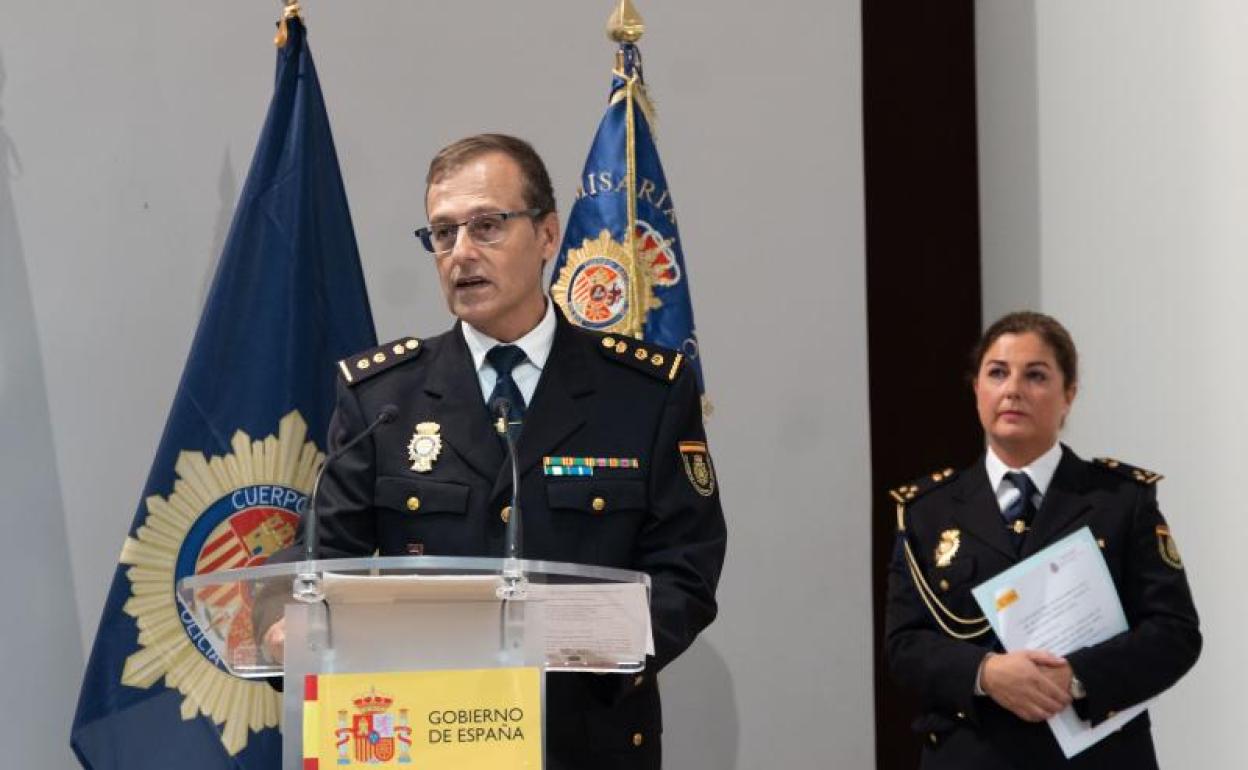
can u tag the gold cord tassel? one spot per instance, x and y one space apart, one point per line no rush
290 12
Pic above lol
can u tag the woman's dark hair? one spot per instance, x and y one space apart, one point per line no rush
1046 327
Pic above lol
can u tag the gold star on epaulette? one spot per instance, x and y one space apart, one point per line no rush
361 366
920 486
653 360
1139 475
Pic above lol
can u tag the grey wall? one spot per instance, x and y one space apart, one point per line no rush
1112 139
135 122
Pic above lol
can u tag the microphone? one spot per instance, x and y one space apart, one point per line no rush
501 408
307 583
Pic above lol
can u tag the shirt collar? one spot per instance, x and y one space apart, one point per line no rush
1041 469
536 343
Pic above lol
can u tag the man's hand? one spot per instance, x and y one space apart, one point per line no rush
274 641
1032 684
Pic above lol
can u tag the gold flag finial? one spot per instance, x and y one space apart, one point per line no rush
291 11
625 24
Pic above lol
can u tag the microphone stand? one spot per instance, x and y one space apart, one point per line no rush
514 589
307 586
515 585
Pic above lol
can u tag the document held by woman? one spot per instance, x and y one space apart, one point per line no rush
1060 599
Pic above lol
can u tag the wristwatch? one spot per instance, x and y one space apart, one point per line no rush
1077 690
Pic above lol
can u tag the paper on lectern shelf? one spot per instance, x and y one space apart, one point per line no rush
604 621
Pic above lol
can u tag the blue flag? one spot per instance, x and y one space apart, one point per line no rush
621 267
238 455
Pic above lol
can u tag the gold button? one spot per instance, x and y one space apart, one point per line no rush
641 354
944 584
362 364
399 350
379 358
638 739
638 680
937 477
413 503
932 737
608 342
1111 714
961 715
505 514
412 344
656 359
620 347
598 504
1100 541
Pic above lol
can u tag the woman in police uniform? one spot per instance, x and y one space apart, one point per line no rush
983 707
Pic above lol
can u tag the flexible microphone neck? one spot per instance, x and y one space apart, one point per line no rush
311 538
501 408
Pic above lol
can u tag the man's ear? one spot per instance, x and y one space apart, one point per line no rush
548 232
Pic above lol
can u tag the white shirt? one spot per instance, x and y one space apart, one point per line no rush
536 345
1041 472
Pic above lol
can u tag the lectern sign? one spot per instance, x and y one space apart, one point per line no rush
480 719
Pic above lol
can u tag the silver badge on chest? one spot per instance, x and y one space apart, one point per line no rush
425 446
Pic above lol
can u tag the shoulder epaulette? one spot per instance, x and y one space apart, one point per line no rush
1139 475
369 363
658 362
921 486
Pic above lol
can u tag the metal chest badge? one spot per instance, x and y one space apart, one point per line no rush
697 462
425 446
947 548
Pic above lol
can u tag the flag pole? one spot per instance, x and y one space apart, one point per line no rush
625 27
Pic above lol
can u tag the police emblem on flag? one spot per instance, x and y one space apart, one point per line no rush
225 512
598 289
661 260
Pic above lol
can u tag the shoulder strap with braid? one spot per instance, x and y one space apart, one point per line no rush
950 622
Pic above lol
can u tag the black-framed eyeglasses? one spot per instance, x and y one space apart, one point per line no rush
483 229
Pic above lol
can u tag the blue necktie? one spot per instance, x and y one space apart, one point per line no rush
1019 513
504 358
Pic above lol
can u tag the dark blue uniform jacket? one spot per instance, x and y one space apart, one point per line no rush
925 648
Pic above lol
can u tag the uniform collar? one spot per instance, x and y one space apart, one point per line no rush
1041 470
536 344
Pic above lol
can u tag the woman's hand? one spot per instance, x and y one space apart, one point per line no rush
1032 684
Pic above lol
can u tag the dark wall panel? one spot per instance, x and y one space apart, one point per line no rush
923 284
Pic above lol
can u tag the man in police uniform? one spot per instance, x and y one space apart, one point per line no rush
435 480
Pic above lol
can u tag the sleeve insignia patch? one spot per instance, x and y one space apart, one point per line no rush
947 548
697 461
1167 548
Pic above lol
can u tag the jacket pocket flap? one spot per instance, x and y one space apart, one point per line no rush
421 496
596 496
